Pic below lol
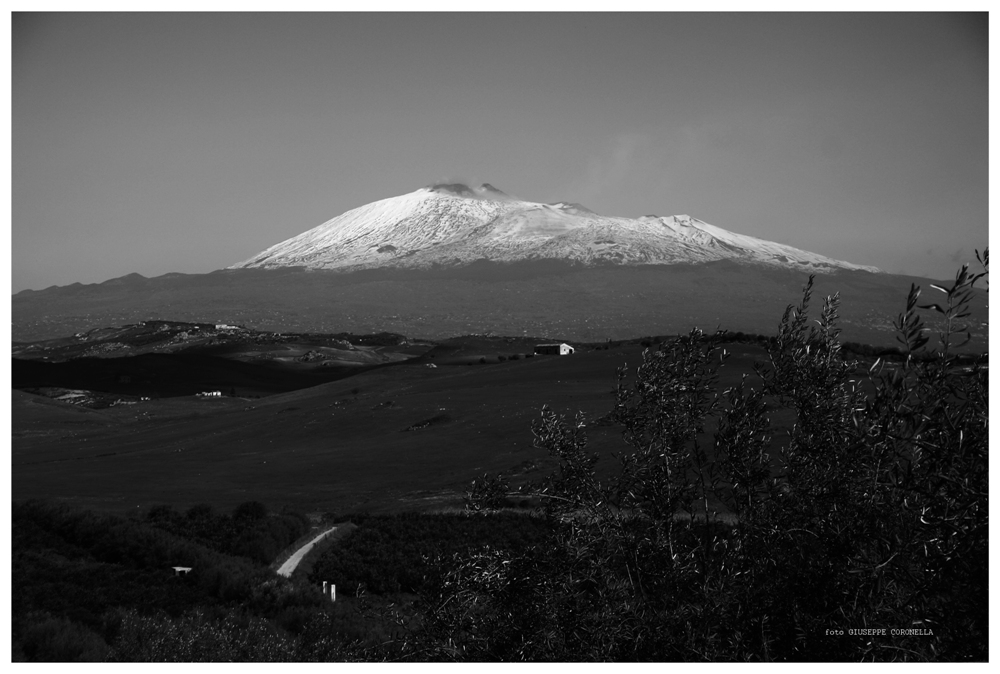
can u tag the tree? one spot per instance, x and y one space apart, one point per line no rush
251 511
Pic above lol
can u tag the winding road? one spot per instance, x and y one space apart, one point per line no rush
288 567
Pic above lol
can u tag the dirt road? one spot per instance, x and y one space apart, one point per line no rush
288 567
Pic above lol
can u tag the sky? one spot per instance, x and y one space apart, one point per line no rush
187 142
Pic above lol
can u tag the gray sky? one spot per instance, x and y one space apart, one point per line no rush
153 143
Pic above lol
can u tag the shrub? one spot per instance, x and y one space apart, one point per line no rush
487 493
195 637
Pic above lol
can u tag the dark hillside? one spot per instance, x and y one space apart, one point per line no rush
405 436
532 298
166 375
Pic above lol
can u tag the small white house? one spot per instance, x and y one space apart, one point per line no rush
554 349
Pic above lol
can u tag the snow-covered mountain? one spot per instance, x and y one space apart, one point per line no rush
454 225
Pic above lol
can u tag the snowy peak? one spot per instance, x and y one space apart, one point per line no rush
454 224
484 191
493 192
454 189
575 209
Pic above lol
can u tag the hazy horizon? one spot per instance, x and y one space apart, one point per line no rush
156 143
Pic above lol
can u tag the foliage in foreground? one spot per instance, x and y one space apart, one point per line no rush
97 587
88 586
871 514
389 554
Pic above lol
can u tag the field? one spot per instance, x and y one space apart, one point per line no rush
403 436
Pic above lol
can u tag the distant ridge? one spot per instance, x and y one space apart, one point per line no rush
534 297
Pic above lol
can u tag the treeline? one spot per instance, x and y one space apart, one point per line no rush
848 350
376 339
404 552
250 531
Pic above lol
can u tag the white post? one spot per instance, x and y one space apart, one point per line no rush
333 592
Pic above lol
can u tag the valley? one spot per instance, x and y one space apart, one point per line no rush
409 434
324 423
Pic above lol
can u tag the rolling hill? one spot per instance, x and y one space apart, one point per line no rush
403 436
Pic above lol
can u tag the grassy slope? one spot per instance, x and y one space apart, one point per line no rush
325 447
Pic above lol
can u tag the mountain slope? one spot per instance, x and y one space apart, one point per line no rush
452 260
546 297
451 225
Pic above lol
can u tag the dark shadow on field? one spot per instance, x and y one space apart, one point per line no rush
334 447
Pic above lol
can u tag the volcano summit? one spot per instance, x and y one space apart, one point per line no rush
451 259
455 225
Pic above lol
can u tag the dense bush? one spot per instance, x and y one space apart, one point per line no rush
398 553
249 532
871 513
74 573
194 638
47 638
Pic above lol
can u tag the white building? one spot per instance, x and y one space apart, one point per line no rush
554 349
